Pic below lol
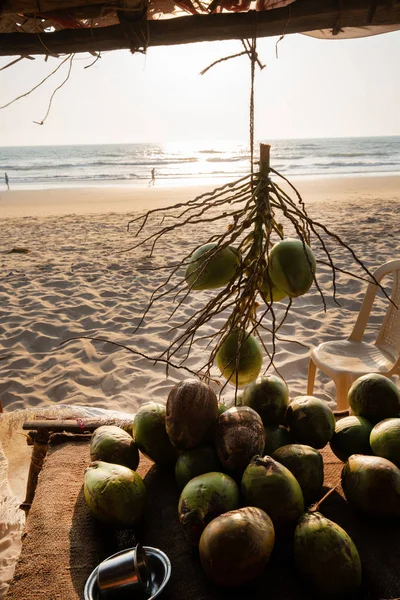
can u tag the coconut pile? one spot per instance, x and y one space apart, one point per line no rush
251 476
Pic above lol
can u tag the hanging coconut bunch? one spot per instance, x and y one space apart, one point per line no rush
243 271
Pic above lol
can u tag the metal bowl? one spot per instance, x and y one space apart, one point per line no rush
160 571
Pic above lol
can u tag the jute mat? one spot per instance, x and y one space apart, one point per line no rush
62 542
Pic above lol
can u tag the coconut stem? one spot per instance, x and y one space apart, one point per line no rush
316 506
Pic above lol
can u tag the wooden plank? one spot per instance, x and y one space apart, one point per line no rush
301 16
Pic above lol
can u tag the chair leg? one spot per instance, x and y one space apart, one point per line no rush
342 388
311 377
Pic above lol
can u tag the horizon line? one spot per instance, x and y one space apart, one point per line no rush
184 142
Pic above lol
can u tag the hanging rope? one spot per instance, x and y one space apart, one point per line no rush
252 53
250 49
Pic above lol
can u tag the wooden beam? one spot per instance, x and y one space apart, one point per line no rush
299 17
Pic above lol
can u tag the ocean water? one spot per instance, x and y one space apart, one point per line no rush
192 163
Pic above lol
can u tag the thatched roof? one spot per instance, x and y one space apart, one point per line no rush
65 26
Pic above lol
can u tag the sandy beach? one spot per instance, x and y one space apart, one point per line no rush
75 280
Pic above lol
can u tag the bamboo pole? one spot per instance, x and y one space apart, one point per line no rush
69 425
299 17
265 153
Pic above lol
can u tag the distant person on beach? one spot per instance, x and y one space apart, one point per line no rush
153 177
6 180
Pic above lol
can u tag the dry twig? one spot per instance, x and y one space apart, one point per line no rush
56 90
38 85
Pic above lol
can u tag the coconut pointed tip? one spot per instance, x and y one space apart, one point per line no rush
257 460
263 461
94 464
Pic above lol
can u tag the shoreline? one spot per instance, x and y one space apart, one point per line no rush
103 199
178 182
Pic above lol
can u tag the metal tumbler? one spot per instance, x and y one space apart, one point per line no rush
128 568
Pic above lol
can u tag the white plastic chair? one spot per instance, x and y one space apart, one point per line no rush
346 360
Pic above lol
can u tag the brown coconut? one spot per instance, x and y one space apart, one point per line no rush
238 436
192 409
235 546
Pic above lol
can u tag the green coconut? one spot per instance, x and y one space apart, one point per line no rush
150 433
269 485
385 440
327 558
275 437
235 547
238 436
351 437
114 445
207 272
306 464
192 463
221 408
310 421
374 397
292 267
114 494
371 484
240 358
192 410
269 291
269 396
204 498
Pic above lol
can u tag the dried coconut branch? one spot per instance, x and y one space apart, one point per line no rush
316 506
322 262
207 196
14 62
315 224
221 244
191 219
154 359
94 61
55 91
38 85
220 60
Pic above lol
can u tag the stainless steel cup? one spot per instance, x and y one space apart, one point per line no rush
127 568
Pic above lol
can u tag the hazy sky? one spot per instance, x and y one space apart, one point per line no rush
316 88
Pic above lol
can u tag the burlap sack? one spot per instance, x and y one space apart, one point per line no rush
63 543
